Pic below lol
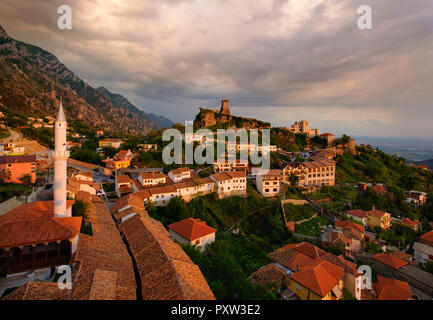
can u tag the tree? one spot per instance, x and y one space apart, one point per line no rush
80 209
26 180
4 175
294 180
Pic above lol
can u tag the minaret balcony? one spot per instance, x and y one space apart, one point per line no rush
60 155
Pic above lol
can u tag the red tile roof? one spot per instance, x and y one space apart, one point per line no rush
34 222
408 222
377 213
320 276
349 225
17 159
123 179
390 260
392 289
191 229
427 236
357 213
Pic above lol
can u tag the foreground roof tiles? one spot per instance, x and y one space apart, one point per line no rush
191 229
166 271
269 273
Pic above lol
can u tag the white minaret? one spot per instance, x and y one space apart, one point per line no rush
60 157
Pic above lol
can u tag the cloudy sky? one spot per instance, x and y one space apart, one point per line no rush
277 60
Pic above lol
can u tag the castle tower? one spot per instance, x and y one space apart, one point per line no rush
225 107
60 157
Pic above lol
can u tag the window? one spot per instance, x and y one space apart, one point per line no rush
266 190
298 287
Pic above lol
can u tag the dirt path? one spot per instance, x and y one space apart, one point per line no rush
31 146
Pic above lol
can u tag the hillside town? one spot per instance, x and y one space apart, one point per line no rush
130 227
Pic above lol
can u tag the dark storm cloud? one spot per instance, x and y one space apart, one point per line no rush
292 57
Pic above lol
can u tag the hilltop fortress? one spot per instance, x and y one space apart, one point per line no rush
224 119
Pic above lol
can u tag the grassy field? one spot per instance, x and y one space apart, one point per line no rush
312 227
297 213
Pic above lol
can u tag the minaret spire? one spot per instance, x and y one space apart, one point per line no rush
60 157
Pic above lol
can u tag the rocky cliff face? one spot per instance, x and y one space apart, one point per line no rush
212 118
32 79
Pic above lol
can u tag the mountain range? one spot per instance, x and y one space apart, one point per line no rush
32 80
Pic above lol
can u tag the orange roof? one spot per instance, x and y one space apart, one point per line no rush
320 276
180 170
390 260
123 179
34 222
191 229
349 225
377 213
392 289
357 213
408 222
327 134
123 152
129 200
306 248
297 260
220 176
236 174
427 236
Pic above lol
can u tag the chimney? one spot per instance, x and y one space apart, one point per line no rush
298 267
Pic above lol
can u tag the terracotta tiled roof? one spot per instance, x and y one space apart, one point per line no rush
283 254
38 291
34 222
166 271
390 260
131 200
180 170
327 134
123 153
191 229
149 176
125 189
126 212
103 251
269 273
123 179
392 289
349 225
358 213
221 176
297 260
348 266
428 237
320 276
377 213
236 174
408 222
17 159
